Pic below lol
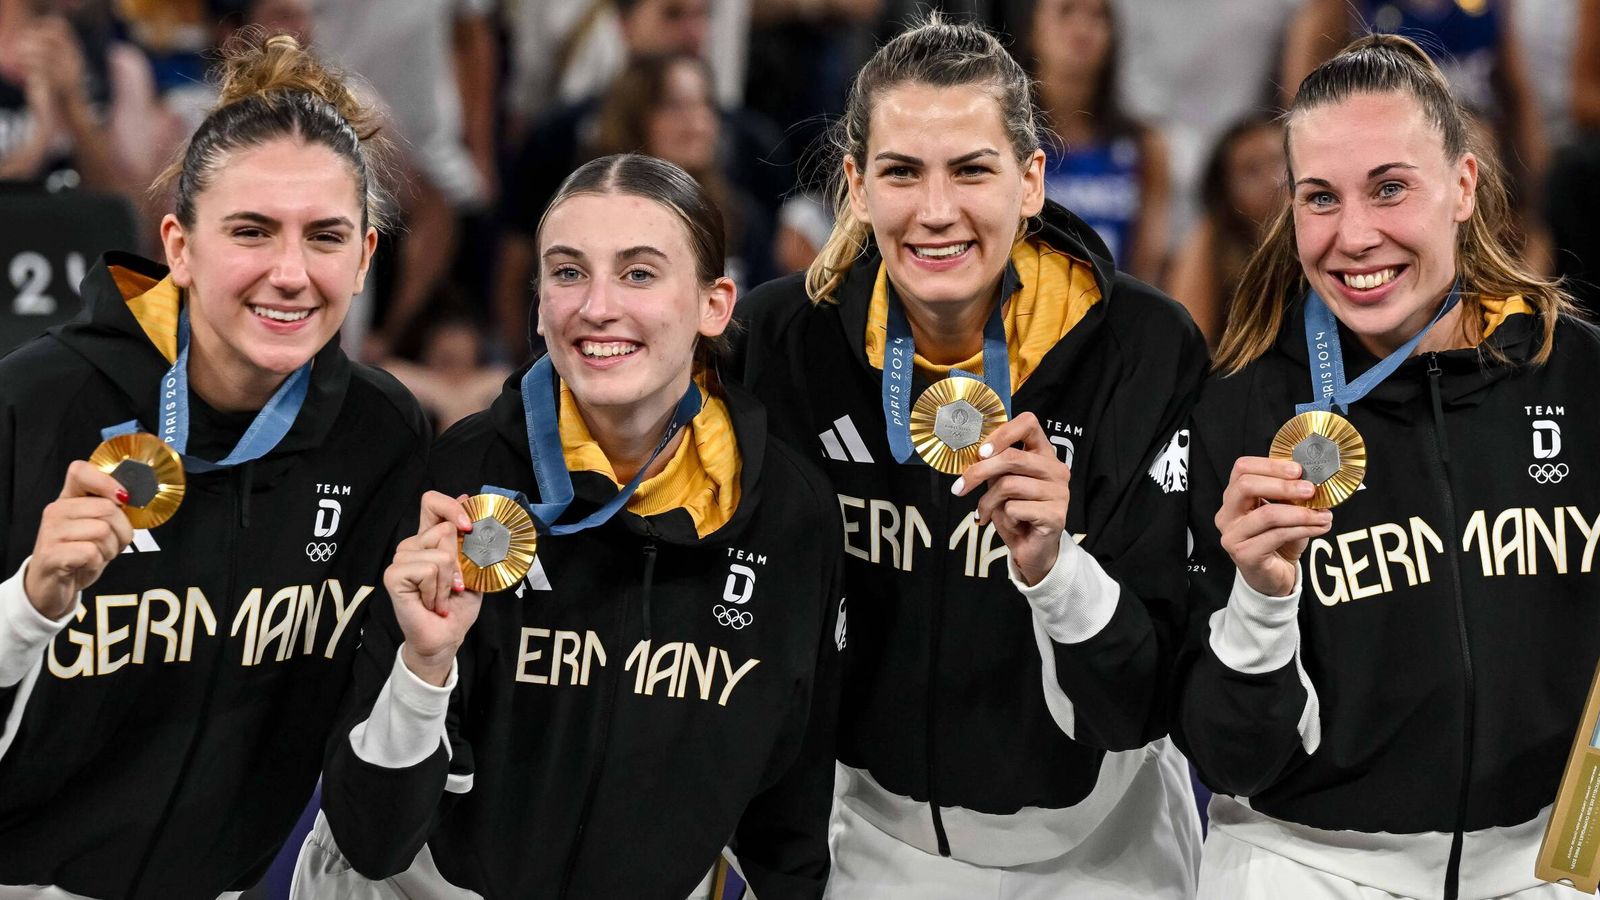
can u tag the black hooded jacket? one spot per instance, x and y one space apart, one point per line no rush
644 697
1448 623
175 728
943 700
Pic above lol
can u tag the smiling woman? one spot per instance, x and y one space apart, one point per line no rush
662 683
1405 733
1017 599
297 467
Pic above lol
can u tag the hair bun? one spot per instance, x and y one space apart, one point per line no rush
257 65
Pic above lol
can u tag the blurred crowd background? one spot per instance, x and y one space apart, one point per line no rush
1163 117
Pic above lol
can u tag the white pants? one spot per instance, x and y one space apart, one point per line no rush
1147 847
1231 869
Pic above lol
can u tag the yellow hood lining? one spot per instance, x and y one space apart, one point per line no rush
1057 291
702 477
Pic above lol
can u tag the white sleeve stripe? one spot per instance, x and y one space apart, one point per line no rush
1255 634
1055 699
1310 724
406 724
1075 599
24 631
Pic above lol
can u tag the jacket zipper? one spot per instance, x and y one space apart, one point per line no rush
607 713
935 632
228 542
1452 874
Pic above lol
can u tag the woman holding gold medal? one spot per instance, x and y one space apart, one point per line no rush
188 598
1395 621
652 673
1003 418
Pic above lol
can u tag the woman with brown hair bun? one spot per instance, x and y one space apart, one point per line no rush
1383 694
180 627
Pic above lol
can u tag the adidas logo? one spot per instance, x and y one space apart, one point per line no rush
843 442
142 542
535 579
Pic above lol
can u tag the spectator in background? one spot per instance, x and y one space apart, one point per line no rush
1574 188
804 223
563 138
1111 171
808 52
439 90
566 51
1475 45
1243 187
1191 70
451 379
663 106
74 100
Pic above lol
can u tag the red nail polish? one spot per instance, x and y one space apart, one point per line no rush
122 496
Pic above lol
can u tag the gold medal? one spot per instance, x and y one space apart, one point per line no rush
149 470
1330 452
952 419
498 552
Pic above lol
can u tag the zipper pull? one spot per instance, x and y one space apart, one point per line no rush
649 578
1438 408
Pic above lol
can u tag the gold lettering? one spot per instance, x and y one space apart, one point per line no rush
568 657
250 615
195 609
282 630
1554 540
1504 547
161 627
667 673
343 614
1354 567
84 664
592 650
733 677
525 656
1339 594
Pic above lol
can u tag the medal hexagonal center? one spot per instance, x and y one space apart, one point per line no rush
488 543
958 423
1318 456
138 479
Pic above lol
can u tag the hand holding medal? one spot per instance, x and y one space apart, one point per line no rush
1028 491
79 534
432 602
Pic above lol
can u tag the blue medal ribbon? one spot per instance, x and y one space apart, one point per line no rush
265 432
550 466
1328 387
899 353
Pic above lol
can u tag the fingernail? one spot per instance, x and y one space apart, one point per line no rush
986 451
1325 515
1306 488
122 496
459 584
974 515
465 523
959 486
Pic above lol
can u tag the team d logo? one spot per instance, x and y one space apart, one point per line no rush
327 523
1546 447
736 592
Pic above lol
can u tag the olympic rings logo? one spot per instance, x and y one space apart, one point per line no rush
319 552
732 618
1548 473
